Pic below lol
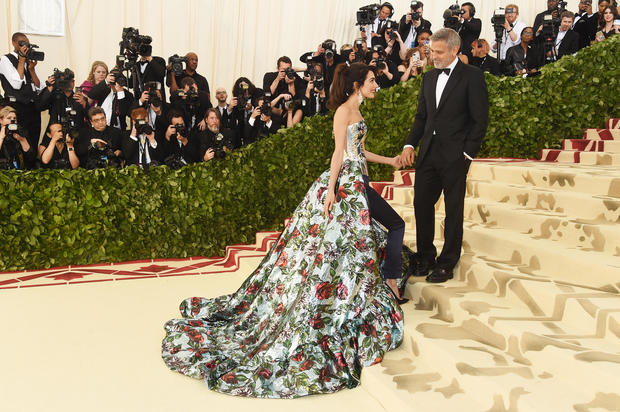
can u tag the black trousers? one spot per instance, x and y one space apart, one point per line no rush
382 212
433 176
29 117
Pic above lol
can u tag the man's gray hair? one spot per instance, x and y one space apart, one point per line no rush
450 36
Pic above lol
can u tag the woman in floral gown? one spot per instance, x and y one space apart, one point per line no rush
316 310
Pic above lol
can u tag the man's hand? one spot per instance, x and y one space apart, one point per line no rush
151 137
256 112
144 97
110 78
31 65
202 125
22 53
233 103
209 154
80 98
51 80
170 131
98 142
281 75
69 140
407 157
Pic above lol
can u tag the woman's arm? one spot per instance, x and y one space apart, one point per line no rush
340 135
375 158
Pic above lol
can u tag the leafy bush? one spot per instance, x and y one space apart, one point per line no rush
52 218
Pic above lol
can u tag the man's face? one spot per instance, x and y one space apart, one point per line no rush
98 122
192 61
420 10
221 95
602 6
384 13
16 42
583 5
283 66
552 4
213 122
566 23
511 17
442 54
467 12
55 131
177 120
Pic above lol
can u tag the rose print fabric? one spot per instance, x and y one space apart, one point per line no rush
313 313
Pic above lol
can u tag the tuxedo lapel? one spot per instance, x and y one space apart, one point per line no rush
432 87
454 79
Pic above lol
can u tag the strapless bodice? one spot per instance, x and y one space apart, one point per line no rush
356 134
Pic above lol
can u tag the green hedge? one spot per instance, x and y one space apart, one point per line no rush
52 218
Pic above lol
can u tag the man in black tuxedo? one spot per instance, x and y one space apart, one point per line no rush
152 69
469 29
451 121
567 41
140 147
585 23
412 23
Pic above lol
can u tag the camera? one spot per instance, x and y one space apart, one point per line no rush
151 88
143 127
381 63
12 129
265 108
220 142
118 78
63 79
100 157
330 49
32 54
176 63
451 17
290 73
68 122
132 45
319 83
498 21
367 14
180 130
391 27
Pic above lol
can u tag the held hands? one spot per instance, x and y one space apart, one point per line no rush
407 157
329 203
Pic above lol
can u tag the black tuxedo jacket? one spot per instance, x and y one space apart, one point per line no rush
586 28
99 93
155 71
569 44
404 28
131 150
461 118
469 31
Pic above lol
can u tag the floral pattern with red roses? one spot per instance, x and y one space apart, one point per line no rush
313 313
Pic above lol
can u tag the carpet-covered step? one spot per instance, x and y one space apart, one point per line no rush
553 226
613 124
443 364
587 158
609 146
590 179
602 134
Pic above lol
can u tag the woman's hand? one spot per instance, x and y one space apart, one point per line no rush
395 162
329 203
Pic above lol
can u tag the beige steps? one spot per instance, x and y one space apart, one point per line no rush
585 158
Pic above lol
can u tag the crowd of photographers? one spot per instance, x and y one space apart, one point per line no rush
123 116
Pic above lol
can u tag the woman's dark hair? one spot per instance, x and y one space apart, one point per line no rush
48 130
344 80
238 91
601 19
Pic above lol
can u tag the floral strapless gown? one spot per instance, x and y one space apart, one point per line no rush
314 312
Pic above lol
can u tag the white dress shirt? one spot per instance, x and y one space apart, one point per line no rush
10 72
142 147
507 42
106 105
442 81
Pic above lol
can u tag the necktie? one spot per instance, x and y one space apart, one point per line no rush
446 71
115 110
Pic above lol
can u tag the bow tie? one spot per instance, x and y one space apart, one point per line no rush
446 71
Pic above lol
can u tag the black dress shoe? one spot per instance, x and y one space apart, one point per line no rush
422 268
439 275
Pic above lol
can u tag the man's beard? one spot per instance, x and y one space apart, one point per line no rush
214 129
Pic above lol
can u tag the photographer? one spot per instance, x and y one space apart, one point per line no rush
525 58
215 141
377 28
244 92
396 49
386 71
223 107
152 69
15 151
284 81
57 151
173 79
140 146
152 100
469 29
261 122
179 148
58 97
585 23
314 101
327 56
190 101
113 98
99 145
565 42
412 23
481 59
553 10
19 80
512 31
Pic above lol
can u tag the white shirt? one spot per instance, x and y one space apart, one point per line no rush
442 80
560 37
106 105
142 147
370 28
507 42
413 34
252 120
10 72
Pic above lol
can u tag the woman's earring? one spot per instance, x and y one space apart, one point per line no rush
360 99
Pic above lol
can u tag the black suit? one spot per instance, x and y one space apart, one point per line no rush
101 91
404 29
469 31
131 150
569 44
586 28
444 132
155 71
486 64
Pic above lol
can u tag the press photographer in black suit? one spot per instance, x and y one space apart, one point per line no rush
315 99
99 145
552 9
387 71
284 81
215 141
244 93
451 121
412 23
262 122
174 82
15 151
140 146
114 98
19 80
191 101
585 23
378 27
157 108
326 55
470 28
60 100
179 148
152 69
567 40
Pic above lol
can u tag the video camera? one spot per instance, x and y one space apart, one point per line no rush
119 78
133 45
176 63
366 15
63 79
451 17
498 21
143 127
31 54
191 96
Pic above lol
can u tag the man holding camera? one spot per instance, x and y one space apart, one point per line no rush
191 64
215 141
386 69
512 31
99 145
329 59
552 9
411 24
469 29
314 101
191 101
178 145
156 107
19 80
284 81
586 21
140 147
378 26
262 122
114 98
63 104
152 69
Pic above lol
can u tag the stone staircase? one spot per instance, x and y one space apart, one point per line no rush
598 147
531 321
